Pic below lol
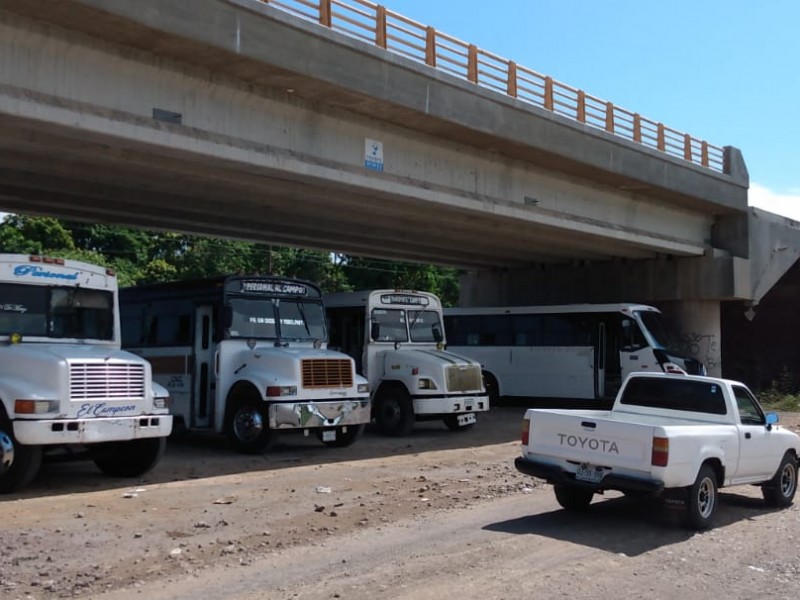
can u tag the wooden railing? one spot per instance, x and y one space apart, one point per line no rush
375 24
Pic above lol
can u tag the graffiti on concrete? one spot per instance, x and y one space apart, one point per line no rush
703 347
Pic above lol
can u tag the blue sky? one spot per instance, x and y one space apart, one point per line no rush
727 71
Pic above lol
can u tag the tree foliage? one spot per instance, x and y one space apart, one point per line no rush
139 256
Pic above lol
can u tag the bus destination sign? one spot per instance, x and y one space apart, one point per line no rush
407 299
251 286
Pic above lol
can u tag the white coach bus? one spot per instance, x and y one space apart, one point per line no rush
396 338
580 351
247 356
64 380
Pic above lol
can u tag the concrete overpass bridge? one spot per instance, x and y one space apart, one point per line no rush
343 126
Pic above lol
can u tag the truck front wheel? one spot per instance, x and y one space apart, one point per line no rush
394 412
128 459
19 464
779 491
572 497
702 501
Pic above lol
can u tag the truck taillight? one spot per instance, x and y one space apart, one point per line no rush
526 430
660 455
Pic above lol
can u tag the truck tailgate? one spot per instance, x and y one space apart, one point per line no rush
593 437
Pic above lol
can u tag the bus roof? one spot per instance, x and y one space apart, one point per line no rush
44 270
386 297
212 286
623 308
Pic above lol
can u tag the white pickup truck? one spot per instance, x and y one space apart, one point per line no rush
677 437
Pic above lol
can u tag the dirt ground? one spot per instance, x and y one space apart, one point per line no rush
437 514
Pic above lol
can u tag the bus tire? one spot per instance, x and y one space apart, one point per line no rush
452 424
131 458
247 426
394 412
701 504
492 389
19 463
343 440
780 490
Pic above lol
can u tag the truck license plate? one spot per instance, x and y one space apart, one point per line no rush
589 473
329 435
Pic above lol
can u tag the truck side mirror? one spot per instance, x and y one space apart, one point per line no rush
375 330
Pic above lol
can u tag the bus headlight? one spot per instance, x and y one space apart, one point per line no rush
281 390
362 388
36 407
426 384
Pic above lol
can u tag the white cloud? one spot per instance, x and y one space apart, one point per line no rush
781 203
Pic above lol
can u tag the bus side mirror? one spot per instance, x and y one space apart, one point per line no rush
375 330
437 334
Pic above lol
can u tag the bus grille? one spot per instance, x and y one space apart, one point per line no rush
106 381
327 373
464 378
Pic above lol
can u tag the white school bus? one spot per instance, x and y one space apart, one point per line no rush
64 380
397 340
247 356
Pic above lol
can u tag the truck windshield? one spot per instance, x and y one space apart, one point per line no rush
390 324
255 318
424 325
661 331
56 312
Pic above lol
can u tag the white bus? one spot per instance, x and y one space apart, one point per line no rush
580 351
396 338
247 356
64 380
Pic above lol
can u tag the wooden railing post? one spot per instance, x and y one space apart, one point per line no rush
637 128
548 93
687 147
325 13
511 83
472 63
704 154
661 142
380 26
430 46
609 117
581 107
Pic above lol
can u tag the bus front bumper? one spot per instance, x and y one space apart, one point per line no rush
312 414
91 431
449 405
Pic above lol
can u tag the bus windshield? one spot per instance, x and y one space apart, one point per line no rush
661 331
56 312
255 318
425 326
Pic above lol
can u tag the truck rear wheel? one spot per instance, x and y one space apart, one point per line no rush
394 412
19 464
247 426
572 497
780 490
343 439
130 458
701 504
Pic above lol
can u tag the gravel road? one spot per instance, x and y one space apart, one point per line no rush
435 515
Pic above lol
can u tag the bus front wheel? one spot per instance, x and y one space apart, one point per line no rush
394 412
248 426
19 463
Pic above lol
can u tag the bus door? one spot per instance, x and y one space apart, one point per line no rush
203 376
608 370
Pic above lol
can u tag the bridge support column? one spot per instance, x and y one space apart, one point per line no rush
699 330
